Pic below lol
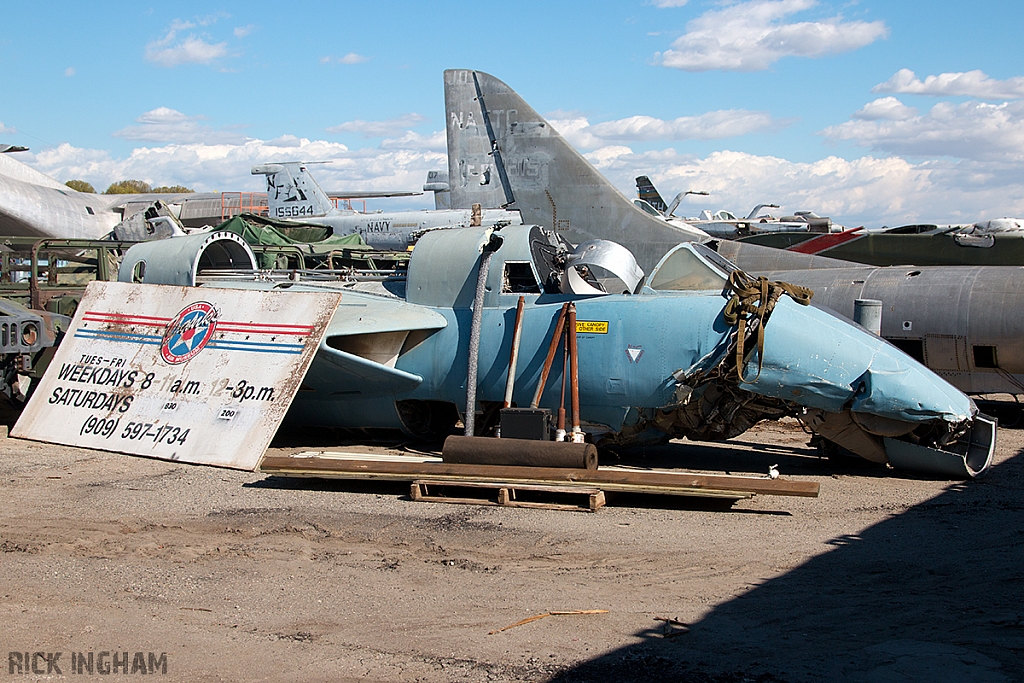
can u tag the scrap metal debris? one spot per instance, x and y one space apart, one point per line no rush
672 627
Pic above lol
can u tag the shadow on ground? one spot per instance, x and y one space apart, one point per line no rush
734 457
934 594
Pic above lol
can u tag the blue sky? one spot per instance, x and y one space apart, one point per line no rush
871 112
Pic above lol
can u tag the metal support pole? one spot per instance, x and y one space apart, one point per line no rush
574 374
560 423
513 360
555 338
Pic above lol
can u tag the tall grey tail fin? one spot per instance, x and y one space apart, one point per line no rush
475 175
292 192
649 193
549 181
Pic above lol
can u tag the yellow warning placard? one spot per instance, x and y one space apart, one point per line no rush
591 327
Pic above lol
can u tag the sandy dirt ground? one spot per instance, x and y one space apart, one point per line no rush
239 576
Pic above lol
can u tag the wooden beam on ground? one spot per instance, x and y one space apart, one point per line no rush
645 481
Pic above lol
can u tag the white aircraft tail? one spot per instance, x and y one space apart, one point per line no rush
292 192
548 181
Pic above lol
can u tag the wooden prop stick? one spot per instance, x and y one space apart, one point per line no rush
536 617
517 333
552 348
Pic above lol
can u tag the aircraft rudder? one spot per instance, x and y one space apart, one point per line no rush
292 192
475 173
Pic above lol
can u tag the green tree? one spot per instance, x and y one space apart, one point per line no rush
128 187
172 189
80 186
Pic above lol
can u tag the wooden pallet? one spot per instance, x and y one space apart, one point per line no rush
508 494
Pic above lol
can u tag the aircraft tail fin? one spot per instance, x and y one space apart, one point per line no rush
437 182
649 193
292 192
550 183
475 175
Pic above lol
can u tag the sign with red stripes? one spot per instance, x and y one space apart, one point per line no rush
197 375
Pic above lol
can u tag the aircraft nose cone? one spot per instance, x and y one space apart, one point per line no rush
821 361
873 389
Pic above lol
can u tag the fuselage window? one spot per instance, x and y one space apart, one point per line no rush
518 278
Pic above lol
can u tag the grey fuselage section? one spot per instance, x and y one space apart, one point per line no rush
960 321
400 229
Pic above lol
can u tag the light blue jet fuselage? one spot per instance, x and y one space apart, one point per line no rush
653 339
652 365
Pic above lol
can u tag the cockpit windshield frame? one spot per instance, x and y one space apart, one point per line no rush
691 267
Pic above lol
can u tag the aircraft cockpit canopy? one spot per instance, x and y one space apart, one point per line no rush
691 267
646 207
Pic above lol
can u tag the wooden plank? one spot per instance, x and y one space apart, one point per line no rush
368 457
681 483
520 486
618 488
506 495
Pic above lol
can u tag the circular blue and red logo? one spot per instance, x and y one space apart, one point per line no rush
188 333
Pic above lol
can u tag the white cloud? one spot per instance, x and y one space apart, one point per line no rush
971 130
192 50
885 108
750 36
575 128
866 191
606 157
169 125
225 167
870 190
962 83
412 140
668 3
168 51
243 31
4 130
69 72
379 129
350 58
211 19
713 125
285 141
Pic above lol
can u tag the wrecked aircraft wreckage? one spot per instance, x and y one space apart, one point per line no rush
698 350
953 319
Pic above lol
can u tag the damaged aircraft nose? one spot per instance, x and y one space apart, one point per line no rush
851 388
863 394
